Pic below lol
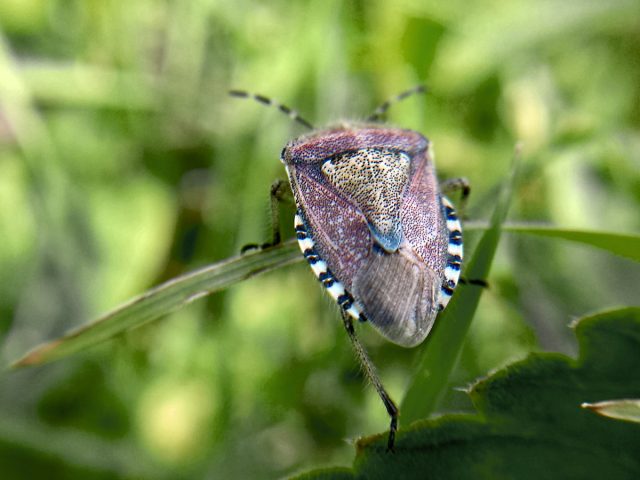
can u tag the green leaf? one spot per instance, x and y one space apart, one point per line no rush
444 344
530 423
627 409
162 300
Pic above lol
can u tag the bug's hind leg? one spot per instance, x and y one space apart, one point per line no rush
280 192
370 372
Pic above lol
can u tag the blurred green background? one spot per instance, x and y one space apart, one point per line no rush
124 163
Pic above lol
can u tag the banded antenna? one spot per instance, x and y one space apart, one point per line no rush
382 109
292 114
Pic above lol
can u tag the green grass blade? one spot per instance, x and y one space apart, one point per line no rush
443 348
162 300
625 245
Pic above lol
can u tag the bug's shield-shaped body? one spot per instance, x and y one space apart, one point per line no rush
374 227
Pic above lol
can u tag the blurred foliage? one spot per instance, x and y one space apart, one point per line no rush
123 163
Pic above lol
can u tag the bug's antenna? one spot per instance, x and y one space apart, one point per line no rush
382 109
292 114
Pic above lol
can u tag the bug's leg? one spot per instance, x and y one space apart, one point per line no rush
455 185
280 192
371 374
473 281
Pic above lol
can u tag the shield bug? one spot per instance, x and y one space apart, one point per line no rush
374 226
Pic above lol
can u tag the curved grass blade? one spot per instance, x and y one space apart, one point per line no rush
162 300
622 244
625 245
445 342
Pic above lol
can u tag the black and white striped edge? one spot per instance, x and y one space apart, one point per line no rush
454 254
321 270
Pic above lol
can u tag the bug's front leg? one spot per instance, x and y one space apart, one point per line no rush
280 192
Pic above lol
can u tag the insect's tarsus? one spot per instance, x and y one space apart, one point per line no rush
292 114
382 109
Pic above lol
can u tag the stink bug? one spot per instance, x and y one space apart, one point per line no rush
374 226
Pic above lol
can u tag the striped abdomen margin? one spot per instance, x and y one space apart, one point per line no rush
321 270
454 254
